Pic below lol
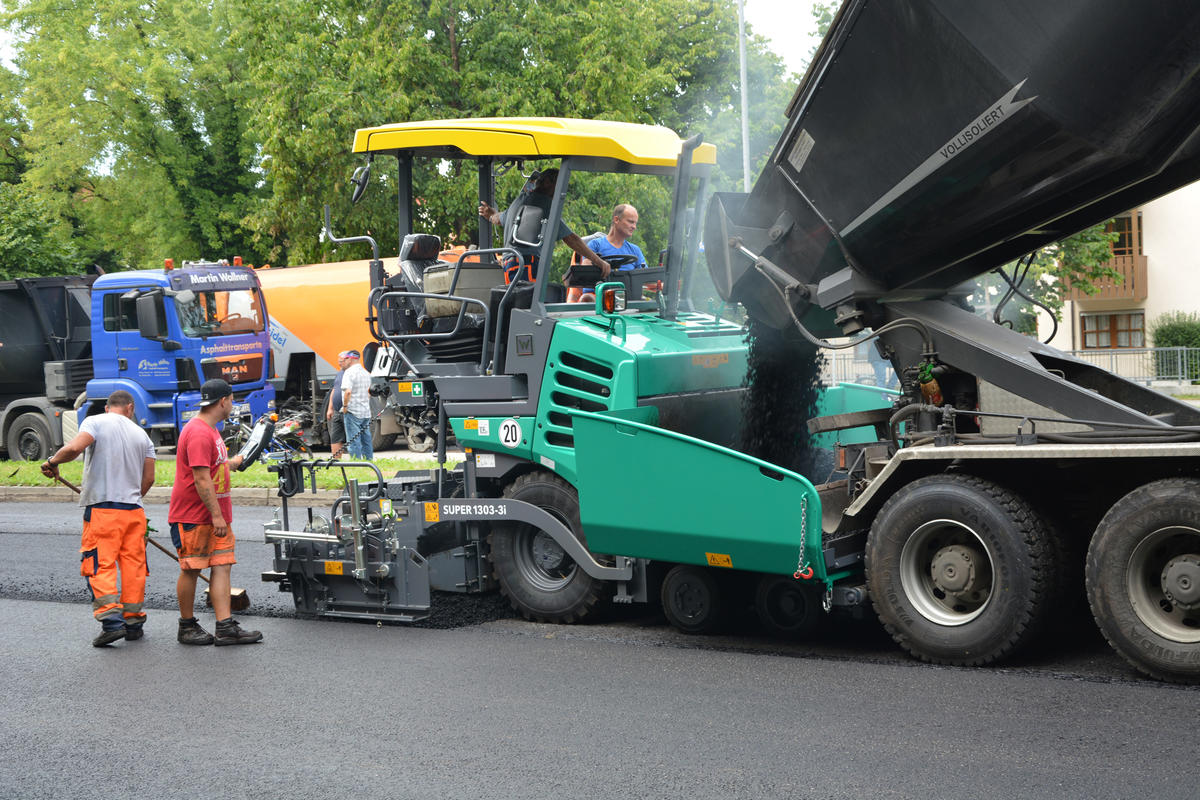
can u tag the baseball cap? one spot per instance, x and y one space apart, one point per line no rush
349 354
213 391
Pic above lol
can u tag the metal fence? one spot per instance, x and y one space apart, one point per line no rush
1144 365
1147 364
849 367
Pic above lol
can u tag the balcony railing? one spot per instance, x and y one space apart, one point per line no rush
1132 286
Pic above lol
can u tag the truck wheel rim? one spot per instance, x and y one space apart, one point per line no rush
541 561
29 445
1160 580
946 571
691 600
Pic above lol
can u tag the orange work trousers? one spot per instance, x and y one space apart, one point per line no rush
115 539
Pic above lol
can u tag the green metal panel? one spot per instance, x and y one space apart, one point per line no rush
595 367
846 398
652 493
501 434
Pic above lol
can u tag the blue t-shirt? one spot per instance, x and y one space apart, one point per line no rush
602 247
337 392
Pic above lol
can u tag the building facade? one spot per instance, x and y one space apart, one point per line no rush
1156 255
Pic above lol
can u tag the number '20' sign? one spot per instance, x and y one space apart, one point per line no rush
510 433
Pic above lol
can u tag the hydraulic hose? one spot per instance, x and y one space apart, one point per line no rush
903 322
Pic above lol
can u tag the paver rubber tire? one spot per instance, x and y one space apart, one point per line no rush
29 439
1143 578
788 607
541 581
960 570
419 440
693 599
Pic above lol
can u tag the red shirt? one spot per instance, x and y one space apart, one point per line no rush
200 445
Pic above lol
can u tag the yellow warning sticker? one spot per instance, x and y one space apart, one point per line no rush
719 560
334 568
471 424
432 512
404 387
710 360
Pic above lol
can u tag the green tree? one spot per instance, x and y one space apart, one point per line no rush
823 14
13 128
31 243
136 101
337 66
1078 262
211 128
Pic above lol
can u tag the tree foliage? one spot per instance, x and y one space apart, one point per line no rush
31 243
141 102
1078 262
13 128
670 63
201 129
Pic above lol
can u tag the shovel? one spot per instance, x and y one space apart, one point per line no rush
238 599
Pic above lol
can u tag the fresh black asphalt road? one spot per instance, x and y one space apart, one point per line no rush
477 704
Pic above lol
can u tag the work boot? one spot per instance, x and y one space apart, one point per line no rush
229 632
133 631
109 635
190 632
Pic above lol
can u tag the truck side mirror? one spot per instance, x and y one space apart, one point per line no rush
150 316
152 320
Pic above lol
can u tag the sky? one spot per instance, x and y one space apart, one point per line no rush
6 52
787 24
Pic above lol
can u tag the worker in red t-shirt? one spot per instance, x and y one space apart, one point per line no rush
200 514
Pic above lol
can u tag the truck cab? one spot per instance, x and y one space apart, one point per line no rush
159 334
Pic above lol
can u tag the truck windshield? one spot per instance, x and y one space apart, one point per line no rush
221 313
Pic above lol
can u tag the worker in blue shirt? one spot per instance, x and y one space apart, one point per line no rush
616 241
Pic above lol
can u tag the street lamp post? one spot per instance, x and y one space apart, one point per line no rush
745 102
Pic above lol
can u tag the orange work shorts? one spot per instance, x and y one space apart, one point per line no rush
199 547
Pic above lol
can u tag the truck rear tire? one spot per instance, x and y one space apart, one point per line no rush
541 581
29 439
381 441
1143 579
960 570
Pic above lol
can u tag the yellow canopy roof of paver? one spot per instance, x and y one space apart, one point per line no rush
534 137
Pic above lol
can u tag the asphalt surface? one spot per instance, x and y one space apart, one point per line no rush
479 704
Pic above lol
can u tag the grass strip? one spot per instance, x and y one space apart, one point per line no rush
29 473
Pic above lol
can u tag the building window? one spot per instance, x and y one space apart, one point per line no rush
1128 228
1108 331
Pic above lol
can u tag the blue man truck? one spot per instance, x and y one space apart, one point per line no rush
66 343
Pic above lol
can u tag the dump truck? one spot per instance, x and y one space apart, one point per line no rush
66 343
931 142
615 451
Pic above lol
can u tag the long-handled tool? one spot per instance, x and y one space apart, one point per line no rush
238 599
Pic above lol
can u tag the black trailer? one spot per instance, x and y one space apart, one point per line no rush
45 361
